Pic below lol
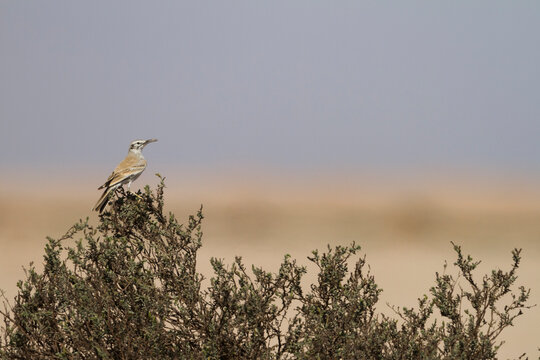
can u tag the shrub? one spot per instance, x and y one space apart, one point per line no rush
129 289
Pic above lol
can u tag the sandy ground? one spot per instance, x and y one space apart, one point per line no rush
404 226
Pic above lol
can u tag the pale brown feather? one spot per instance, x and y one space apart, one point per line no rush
100 205
130 167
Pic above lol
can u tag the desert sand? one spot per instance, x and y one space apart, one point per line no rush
404 226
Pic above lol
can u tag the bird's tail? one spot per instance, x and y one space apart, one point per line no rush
102 202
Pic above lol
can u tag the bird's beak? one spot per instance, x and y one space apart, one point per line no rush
149 141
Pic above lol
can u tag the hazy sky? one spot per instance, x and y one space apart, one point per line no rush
286 84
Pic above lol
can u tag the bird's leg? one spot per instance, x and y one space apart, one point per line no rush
120 189
137 195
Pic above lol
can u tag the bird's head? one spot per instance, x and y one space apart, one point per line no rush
138 145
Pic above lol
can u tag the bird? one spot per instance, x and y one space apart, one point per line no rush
126 172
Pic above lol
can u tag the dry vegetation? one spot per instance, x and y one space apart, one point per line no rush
406 232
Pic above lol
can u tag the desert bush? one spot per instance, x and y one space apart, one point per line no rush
129 288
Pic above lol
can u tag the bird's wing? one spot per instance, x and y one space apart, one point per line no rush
102 202
131 165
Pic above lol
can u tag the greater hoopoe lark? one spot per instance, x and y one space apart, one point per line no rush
125 173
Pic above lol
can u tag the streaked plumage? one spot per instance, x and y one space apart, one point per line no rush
125 173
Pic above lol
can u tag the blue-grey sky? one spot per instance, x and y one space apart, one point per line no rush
286 84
